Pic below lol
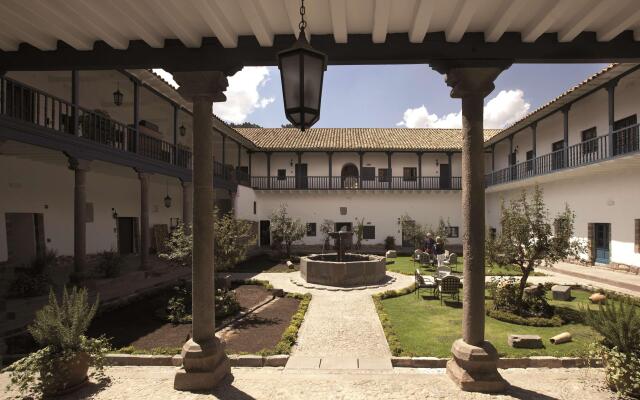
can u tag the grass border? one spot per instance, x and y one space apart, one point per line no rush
389 333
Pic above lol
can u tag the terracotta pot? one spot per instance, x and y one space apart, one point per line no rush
70 375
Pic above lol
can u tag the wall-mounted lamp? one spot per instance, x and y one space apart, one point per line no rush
114 213
437 162
167 199
291 163
183 130
118 96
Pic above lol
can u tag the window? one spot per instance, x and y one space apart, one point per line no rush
453 232
255 208
368 173
343 210
369 232
588 144
530 160
282 174
384 175
311 229
513 159
409 174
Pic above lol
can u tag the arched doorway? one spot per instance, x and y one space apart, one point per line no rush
349 176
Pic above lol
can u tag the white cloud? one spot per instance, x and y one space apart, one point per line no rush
243 96
505 108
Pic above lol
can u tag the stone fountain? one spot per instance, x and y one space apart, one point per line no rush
341 268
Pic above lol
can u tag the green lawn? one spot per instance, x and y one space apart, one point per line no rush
405 265
426 328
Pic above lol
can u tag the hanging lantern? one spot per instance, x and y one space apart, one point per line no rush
118 96
183 130
302 70
167 199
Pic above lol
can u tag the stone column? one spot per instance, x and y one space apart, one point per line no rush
145 239
80 168
611 113
204 363
187 189
419 169
473 366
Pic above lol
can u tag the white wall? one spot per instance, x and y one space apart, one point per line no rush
601 198
36 180
381 209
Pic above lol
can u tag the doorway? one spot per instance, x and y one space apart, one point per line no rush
407 229
349 176
602 241
445 176
127 235
557 155
625 135
25 237
301 176
265 233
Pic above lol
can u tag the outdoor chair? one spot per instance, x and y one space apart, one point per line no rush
442 272
450 285
425 259
451 260
417 254
425 282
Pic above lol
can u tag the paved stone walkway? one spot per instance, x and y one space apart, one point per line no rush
341 329
399 383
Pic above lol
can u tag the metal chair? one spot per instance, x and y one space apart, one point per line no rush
451 260
425 282
443 271
449 285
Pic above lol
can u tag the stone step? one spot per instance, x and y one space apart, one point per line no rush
339 363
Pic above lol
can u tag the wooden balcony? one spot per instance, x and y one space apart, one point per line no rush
354 183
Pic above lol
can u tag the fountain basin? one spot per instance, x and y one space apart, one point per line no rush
354 270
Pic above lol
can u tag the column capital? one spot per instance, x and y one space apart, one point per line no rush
209 85
611 85
78 164
565 109
534 125
142 174
470 80
185 183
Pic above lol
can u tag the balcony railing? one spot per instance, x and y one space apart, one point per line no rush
353 183
34 106
617 143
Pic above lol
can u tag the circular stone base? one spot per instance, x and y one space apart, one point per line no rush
300 282
356 270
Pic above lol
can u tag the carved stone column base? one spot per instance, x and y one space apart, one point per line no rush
203 366
474 368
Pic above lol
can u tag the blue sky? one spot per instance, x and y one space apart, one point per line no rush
378 96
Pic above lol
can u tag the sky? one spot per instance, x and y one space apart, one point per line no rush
411 96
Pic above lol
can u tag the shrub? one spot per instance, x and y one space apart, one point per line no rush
59 328
512 318
390 243
285 230
506 298
109 264
179 246
179 307
619 324
34 279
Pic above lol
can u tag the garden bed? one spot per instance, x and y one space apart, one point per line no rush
422 327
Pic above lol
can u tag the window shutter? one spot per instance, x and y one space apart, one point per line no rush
591 236
637 247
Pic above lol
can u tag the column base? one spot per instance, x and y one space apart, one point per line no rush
474 368
204 366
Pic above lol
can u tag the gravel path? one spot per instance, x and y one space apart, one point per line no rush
399 383
339 323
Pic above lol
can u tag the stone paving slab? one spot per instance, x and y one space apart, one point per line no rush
339 363
398 384
302 362
377 363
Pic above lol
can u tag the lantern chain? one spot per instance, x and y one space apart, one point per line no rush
303 24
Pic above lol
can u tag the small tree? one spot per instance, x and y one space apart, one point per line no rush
443 229
326 227
358 230
412 230
527 238
232 238
285 230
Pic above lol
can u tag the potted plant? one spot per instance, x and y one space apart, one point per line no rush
62 363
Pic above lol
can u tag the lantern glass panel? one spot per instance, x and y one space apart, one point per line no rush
313 71
290 71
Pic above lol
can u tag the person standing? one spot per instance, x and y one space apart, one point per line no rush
439 251
429 245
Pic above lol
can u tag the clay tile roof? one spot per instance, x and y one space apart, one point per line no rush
397 139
